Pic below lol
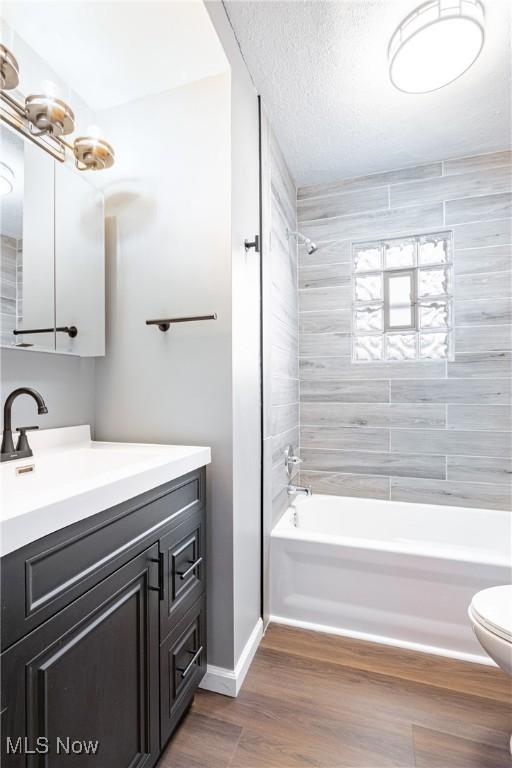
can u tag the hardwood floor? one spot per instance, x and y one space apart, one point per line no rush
331 702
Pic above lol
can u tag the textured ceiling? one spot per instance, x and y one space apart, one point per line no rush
321 68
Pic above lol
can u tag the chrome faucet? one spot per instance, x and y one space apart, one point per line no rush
299 490
22 450
290 462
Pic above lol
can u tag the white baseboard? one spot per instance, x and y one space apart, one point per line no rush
229 681
410 646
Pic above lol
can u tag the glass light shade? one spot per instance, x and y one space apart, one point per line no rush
50 89
93 153
9 70
50 115
6 179
94 131
436 44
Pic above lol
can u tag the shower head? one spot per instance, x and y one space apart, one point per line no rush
311 247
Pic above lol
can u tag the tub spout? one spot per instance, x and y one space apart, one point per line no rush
299 490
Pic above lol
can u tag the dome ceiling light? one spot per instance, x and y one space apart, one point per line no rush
436 44
46 116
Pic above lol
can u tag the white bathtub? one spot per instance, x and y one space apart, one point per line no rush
391 572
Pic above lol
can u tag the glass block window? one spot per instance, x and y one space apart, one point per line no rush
402 298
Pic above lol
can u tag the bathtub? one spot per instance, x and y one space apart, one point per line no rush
391 572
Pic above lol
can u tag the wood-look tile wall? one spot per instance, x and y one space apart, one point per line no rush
426 431
281 319
10 287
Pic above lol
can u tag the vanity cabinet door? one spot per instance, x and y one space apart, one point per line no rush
90 674
79 263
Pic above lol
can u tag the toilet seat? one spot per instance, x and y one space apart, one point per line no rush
492 609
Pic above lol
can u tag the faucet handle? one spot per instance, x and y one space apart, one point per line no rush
22 439
290 459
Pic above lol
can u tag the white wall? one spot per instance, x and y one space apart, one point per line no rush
66 383
246 338
168 254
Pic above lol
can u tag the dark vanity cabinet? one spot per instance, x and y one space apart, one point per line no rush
91 673
104 633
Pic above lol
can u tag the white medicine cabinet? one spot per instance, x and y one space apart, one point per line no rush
52 253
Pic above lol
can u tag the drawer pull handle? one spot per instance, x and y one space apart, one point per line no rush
184 672
160 588
183 574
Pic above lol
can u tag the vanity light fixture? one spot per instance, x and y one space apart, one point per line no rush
9 70
6 179
49 115
92 153
46 119
436 44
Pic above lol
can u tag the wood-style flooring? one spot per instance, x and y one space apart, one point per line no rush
319 700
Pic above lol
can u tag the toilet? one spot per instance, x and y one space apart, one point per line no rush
490 613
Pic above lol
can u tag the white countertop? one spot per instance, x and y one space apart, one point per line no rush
75 477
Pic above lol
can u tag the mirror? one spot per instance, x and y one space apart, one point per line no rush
52 253
79 263
11 235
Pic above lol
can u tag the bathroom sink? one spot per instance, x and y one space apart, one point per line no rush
71 477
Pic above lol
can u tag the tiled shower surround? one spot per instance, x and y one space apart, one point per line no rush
280 315
433 431
11 266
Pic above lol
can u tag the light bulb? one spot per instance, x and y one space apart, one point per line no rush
50 89
94 131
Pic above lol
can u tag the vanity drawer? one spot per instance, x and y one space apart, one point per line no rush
183 550
182 667
42 578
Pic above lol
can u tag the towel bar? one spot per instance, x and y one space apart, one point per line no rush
165 323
